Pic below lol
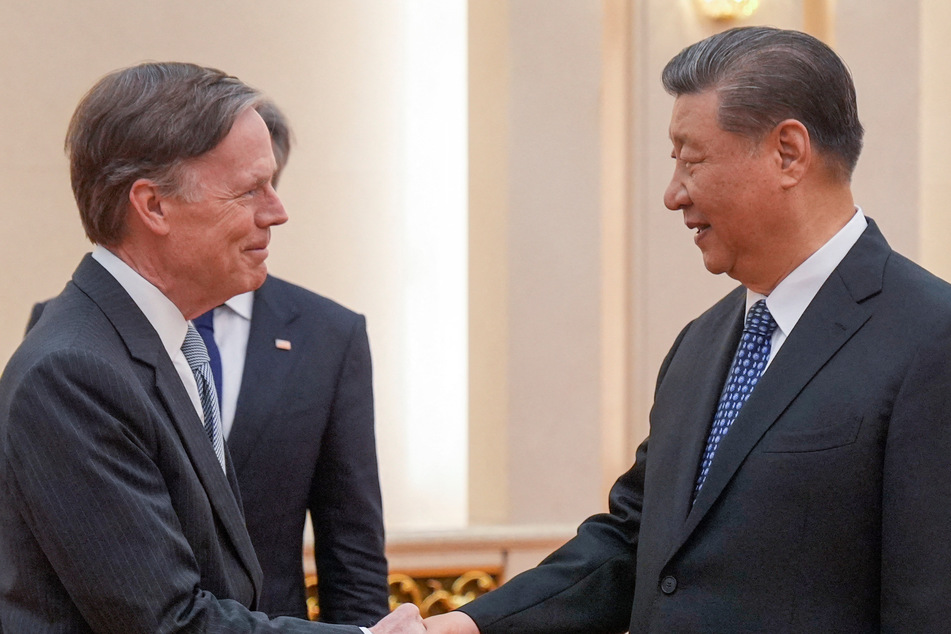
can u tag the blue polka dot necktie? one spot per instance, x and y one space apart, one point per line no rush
197 356
748 365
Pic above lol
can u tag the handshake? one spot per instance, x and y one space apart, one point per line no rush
406 620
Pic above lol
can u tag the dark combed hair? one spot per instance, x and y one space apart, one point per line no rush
146 121
763 76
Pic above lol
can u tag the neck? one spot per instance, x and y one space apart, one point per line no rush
814 222
140 262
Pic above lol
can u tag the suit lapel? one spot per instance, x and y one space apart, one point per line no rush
145 346
696 391
832 318
266 370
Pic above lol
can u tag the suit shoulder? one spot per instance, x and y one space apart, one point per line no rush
70 320
900 270
725 308
76 348
309 302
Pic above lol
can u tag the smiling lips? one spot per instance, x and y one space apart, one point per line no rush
699 227
259 250
262 245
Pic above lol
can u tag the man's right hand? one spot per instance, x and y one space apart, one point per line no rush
451 623
403 620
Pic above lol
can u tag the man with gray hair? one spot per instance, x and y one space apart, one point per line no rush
119 508
796 476
297 411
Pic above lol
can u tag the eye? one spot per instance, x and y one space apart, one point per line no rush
251 193
681 159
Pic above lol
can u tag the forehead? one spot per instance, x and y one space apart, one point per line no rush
694 116
245 152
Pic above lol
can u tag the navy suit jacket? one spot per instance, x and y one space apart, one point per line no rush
115 515
826 508
303 439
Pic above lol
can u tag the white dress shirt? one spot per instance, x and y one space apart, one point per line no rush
164 316
232 322
795 292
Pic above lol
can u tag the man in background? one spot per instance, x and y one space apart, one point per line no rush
119 507
297 407
796 477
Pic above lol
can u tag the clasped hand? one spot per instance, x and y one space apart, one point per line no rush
406 620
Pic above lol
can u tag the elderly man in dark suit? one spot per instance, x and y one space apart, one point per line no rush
798 468
119 508
294 380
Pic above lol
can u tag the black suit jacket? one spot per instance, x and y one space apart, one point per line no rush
303 439
115 515
826 507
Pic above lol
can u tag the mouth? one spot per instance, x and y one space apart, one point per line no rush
259 250
699 229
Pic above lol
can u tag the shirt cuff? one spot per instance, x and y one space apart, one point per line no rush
366 630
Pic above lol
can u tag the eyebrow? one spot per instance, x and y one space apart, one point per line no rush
258 179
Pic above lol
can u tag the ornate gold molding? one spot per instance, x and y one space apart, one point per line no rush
432 591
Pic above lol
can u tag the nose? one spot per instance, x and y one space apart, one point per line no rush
676 196
272 212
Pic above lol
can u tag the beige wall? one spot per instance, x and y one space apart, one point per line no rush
342 177
579 278
335 67
935 135
551 442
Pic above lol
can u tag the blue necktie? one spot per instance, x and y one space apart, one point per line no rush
197 356
748 365
205 324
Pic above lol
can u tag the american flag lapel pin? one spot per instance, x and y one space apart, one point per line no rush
282 344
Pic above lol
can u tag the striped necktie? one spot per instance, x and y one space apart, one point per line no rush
205 325
197 356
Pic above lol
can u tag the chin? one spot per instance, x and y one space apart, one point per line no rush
257 279
244 284
714 267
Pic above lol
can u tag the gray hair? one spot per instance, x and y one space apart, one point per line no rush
763 76
281 135
146 121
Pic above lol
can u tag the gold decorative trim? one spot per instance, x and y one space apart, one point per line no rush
433 591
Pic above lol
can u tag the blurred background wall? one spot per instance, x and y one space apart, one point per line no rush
483 180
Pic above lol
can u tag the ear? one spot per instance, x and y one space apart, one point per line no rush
147 201
795 151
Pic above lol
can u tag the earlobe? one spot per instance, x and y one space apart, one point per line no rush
146 202
795 151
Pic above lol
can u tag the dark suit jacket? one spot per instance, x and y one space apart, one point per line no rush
826 507
303 439
114 513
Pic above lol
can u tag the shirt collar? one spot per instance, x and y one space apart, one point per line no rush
795 292
164 316
242 304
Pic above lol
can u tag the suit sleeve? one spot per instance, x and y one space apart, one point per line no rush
916 489
80 468
345 501
587 585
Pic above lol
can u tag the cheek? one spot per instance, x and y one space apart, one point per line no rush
237 228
